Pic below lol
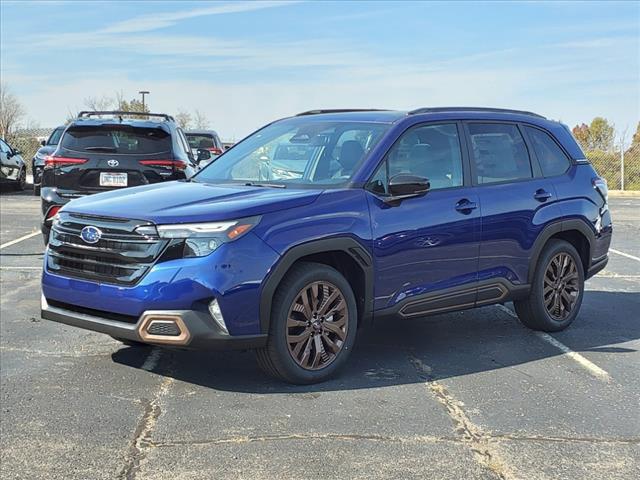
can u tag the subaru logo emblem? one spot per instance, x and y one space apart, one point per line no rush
91 234
113 163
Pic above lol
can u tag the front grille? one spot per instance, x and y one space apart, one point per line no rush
120 256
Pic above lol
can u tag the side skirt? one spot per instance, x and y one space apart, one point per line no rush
487 292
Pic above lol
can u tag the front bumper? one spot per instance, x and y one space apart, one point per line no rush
195 330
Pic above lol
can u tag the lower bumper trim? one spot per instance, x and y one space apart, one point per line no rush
198 330
597 267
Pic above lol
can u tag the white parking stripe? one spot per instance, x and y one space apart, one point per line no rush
591 367
618 252
21 268
18 240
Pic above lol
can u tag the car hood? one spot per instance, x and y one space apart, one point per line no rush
185 202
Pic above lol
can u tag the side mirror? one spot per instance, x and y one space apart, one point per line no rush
405 186
203 155
43 143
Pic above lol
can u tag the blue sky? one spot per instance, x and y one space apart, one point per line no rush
246 63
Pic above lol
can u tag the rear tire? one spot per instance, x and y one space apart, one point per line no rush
557 289
36 190
313 325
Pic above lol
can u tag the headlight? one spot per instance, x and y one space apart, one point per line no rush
201 239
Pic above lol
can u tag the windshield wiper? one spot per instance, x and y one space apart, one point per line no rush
269 185
105 149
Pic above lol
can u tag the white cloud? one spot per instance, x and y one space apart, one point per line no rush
145 23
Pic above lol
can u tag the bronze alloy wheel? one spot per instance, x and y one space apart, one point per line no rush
317 325
561 287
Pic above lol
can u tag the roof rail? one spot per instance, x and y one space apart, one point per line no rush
97 113
340 110
471 109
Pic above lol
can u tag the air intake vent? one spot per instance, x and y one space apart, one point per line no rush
164 328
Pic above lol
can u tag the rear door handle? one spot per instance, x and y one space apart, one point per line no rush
465 206
542 195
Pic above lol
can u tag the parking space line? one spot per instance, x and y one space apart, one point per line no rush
21 268
18 240
618 252
591 367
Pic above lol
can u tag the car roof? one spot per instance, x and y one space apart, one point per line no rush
97 122
427 113
201 132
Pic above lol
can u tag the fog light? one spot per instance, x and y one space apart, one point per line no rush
214 310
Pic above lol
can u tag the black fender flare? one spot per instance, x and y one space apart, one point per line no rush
347 245
554 228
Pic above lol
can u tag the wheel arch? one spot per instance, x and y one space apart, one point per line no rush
345 254
574 231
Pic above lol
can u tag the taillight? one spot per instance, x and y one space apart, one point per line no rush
50 161
52 212
170 164
600 184
215 150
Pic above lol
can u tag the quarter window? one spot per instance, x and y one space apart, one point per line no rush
429 151
499 152
553 160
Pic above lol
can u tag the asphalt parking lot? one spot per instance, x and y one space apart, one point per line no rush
466 395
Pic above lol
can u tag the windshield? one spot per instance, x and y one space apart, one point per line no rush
55 136
122 139
298 151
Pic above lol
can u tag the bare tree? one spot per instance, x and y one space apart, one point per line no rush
200 120
184 119
11 111
99 103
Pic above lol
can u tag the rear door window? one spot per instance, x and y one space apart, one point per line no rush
117 139
499 153
553 160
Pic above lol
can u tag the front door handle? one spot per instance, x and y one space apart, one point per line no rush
542 195
465 206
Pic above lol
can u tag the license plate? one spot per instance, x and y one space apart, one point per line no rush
108 179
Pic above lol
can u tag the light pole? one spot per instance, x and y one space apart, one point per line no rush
143 93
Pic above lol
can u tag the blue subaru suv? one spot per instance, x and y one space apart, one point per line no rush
383 214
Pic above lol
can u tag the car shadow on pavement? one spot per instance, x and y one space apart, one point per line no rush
8 190
444 346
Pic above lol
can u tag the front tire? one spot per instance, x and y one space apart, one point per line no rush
313 325
22 181
557 290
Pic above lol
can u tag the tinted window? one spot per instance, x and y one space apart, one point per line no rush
499 152
431 151
117 139
200 141
552 159
55 136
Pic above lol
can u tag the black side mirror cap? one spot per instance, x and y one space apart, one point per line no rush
43 143
404 185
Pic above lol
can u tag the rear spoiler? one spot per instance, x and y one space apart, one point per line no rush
122 113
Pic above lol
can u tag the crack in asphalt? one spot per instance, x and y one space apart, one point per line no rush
470 434
142 441
311 436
